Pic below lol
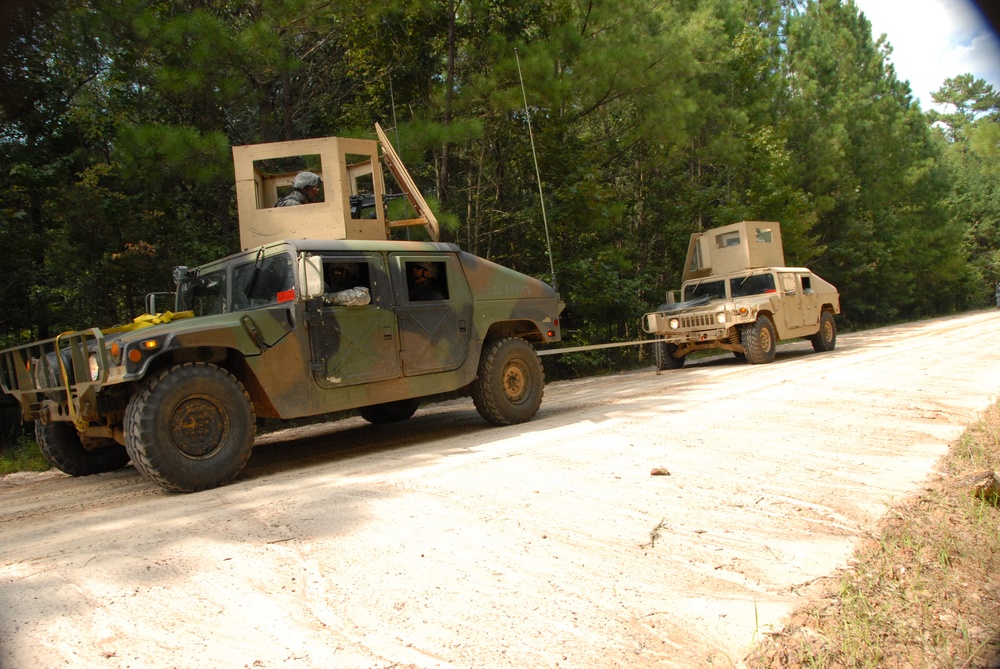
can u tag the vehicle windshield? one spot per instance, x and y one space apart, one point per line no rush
753 284
715 290
249 282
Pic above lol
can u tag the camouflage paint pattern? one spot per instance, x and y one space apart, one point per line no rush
296 354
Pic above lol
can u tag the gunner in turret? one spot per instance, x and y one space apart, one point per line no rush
305 190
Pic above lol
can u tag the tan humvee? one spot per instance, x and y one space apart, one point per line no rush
739 296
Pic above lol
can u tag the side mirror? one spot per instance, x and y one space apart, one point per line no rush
311 275
180 273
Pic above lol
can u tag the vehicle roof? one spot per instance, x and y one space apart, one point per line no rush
356 245
366 245
744 272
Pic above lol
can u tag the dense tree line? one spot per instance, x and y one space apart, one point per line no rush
651 120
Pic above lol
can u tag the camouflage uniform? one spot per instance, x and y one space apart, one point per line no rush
303 182
292 199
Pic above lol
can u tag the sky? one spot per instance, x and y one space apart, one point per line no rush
934 40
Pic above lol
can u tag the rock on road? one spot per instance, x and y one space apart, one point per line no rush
442 542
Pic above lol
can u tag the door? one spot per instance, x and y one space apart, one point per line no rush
353 340
810 301
434 307
791 300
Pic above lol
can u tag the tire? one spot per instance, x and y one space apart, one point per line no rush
190 428
759 341
61 445
390 412
826 338
665 359
508 389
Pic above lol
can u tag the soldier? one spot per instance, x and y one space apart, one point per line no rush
422 282
306 190
344 286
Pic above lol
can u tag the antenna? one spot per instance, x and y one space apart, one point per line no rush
395 128
538 174
395 123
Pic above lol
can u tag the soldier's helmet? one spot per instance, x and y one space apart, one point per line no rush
305 180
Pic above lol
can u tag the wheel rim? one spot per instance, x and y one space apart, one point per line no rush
199 427
827 331
514 382
765 339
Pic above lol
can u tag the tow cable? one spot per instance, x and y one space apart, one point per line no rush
594 347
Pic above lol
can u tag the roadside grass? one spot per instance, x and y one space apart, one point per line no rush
924 593
22 456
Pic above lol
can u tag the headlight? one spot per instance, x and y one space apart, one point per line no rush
95 369
720 317
674 323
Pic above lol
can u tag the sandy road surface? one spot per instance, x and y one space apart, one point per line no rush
442 542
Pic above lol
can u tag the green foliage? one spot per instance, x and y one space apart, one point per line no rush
22 456
870 163
971 147
649 121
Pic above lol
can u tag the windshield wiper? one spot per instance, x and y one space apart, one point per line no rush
256 272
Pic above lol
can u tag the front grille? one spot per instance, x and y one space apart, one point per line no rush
698 320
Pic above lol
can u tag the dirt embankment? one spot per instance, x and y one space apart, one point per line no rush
443 542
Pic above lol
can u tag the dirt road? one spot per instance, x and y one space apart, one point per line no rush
442 542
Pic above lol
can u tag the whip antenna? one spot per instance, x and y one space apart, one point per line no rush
538 174
395 128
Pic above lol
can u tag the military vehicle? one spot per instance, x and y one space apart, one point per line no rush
320 312
737 295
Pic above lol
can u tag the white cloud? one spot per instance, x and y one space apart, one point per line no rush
934 40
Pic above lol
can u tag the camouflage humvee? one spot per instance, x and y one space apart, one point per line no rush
289 327
737 295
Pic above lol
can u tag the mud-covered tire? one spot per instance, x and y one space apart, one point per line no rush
390 412
826 338
61 445
190 428
510 383
664 354
759 341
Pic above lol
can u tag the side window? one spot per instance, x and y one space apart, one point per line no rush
341 275
788 283
288 180
426 281
346 283
727 239
807 285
